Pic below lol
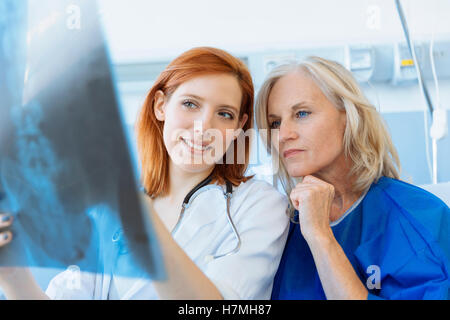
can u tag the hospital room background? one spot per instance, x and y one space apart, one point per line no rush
364 35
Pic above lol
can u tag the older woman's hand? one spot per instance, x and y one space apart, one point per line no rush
313 198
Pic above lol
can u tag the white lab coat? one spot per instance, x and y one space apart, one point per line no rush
259 214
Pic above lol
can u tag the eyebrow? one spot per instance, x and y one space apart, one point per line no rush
201 99
294 107
192 96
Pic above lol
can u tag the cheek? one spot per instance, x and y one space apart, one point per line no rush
225 139
327 141
172 130
274 141
176 118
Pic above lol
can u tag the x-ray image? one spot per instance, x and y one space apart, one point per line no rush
66 173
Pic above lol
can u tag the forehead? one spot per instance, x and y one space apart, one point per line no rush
219 88
293 88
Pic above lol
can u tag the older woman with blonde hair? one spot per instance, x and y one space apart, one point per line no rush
354 232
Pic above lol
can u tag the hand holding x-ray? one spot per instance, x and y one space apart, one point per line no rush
12 251
66 174
5 238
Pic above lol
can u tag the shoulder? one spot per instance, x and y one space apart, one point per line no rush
412 216
408 202
403 233
407 195
257 189
256 193
258 197
395 199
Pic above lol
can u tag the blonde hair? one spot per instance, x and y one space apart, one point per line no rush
366 140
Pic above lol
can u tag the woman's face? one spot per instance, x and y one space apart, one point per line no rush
201 119
311 128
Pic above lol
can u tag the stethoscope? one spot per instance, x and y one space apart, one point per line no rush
118 235
227 194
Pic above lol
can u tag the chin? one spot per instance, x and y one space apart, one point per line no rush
299 171
194 168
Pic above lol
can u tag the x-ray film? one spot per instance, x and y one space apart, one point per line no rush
66 172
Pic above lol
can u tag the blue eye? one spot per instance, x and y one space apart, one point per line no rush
302 114
189 104
274 125
226 115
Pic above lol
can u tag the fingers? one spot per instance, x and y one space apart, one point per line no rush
5 238
313 182
311 189
301 194
294 200
311 179
5 220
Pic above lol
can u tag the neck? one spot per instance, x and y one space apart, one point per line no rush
182 182
344 196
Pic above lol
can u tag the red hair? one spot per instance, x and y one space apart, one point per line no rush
153 155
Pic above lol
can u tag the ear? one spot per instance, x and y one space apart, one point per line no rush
160 106
243 121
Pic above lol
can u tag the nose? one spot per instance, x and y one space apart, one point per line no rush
204 122
288 131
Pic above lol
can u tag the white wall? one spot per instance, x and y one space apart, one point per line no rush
143 30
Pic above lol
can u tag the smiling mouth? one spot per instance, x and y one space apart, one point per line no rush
197 147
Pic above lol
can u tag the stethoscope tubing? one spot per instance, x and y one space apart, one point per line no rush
238 246
228 194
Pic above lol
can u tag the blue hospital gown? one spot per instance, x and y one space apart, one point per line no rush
398 228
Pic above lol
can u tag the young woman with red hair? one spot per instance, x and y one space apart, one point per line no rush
214 247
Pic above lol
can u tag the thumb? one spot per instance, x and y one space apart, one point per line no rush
294 198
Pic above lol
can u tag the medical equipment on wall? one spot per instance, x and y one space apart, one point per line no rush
438 128
404 64
414 61
227 194
439 116
360 60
